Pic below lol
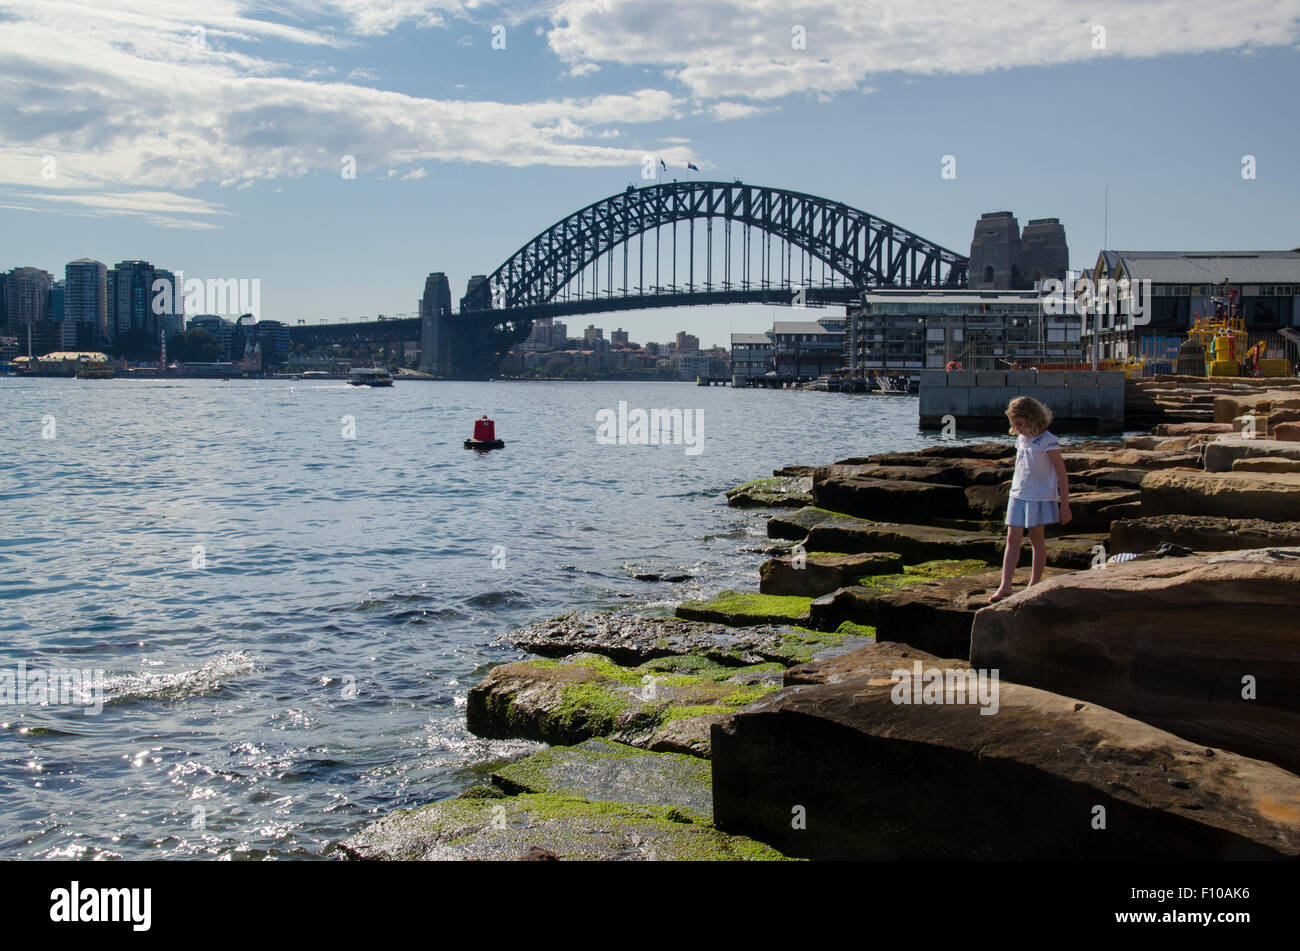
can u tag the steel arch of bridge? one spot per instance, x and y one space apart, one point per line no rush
866 251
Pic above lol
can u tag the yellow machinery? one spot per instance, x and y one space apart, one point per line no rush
1226 345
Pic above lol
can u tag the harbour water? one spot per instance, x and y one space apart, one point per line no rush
291 586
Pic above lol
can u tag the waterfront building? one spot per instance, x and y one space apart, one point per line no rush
252 361
689 365
222 330
618 338
1182 287
892 331
1183 283
86 298
592 334
687 343
26 298
273 337
752 355
270 336
806 349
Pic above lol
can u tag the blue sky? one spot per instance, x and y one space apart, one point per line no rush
222 158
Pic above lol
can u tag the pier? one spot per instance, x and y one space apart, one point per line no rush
1090 401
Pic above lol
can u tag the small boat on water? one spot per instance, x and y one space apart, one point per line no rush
370 376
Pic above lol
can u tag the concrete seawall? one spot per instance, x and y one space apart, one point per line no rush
1081 400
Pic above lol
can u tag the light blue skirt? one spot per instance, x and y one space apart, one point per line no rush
1027 514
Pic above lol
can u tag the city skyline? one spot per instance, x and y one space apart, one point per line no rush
468 139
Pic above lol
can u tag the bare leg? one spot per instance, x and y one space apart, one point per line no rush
1010 559
1038 539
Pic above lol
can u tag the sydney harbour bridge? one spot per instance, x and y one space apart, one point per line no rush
665 245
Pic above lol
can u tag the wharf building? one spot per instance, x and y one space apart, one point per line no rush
999 322
752 356
792 349
906 331
1183 285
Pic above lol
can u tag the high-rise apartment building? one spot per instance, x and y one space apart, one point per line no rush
130 294
26 297
86 294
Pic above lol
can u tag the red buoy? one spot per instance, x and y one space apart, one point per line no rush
485 435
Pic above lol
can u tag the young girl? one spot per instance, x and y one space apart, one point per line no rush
1040 490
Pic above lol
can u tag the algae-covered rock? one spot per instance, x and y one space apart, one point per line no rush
936 615
842 489
815 573
636 638
599 769
570 827
586 695
795 526
951 592
947 568
774 492
879 659
744 608
916 543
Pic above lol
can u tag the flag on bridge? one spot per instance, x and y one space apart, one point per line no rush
664 164
692 165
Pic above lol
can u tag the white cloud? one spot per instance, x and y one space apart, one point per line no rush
124 98
722 111
164 209
743 48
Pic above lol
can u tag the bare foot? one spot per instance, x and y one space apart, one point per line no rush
999 594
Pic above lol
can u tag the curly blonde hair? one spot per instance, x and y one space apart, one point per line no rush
1038 414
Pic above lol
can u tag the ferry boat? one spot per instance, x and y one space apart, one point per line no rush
370 376
95 370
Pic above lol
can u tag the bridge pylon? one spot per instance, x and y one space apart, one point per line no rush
435 325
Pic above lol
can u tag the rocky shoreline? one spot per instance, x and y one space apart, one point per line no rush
1142 709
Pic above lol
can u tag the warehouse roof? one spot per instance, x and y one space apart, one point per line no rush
1212 267
800 327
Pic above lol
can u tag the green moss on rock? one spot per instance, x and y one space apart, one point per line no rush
572 827
948 568
746 608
